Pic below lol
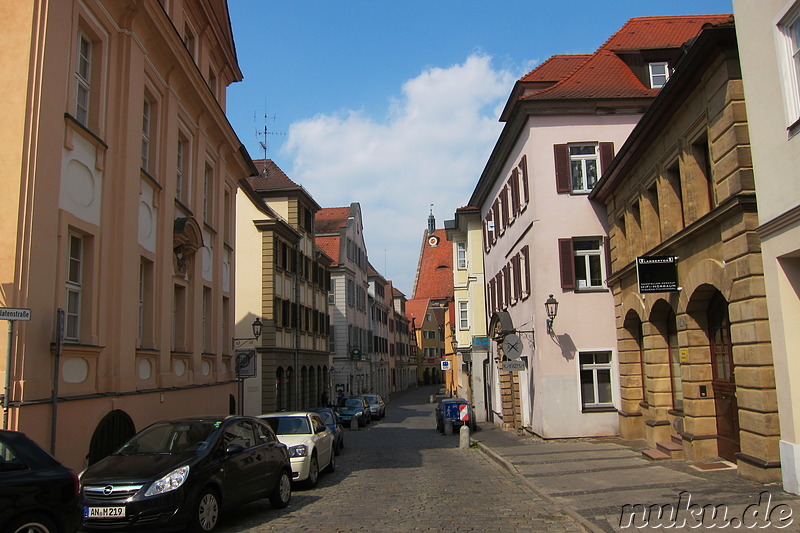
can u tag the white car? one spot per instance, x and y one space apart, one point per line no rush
311 444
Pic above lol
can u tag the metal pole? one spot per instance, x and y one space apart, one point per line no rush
8 375
56 368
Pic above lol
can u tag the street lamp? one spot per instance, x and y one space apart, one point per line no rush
257 326
551 306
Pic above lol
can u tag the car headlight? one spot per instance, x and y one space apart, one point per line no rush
170 482
359 414
301 450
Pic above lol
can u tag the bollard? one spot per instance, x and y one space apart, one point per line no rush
463 436
431 399
353 422
448 427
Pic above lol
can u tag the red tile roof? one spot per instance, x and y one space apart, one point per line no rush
416 309
270 177
331 219
329 246
605 75
643 33
556 68
435 271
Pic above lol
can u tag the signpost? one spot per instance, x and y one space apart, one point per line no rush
657 273
514 366
12 315
512 346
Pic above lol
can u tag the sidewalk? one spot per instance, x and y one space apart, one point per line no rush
593 478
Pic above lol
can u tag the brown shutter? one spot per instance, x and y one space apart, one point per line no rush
606 155
504 205
566 263
607 250
523 166
496 219
507 285
517 277
563 180
527 273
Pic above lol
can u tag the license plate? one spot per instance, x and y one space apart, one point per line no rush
103 512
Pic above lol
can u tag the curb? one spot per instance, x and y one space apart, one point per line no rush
506 464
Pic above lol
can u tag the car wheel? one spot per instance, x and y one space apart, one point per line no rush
206 511
31 524
282 492
332 464
313 473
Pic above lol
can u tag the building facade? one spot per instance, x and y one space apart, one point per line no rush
543 238
696 374
119 218
340 235
768 44
381 358
404 371
284 282
472 365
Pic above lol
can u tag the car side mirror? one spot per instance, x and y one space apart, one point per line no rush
233 449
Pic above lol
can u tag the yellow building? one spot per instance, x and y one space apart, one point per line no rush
696 374
121 170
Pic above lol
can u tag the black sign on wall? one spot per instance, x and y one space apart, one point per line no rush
657 273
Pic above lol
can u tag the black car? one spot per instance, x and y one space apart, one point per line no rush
456 410
331 420
183 472
37 493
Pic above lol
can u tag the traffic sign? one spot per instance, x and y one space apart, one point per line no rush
463 413
10 313
512 346
445 365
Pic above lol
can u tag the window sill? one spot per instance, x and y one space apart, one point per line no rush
600 409
591 289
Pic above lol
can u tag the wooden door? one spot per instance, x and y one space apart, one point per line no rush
724 383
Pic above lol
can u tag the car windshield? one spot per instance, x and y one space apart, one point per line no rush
373 400
354 402
172 437
327 417
289 425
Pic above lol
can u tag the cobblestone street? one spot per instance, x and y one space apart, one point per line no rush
400 474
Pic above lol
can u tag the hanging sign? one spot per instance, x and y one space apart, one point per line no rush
657 273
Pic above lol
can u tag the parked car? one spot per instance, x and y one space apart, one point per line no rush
377 407
331 420
451 409
311 444
183 472
354 407
37 493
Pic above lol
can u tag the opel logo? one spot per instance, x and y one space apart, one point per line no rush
108 490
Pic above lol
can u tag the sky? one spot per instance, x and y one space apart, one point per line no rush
395 104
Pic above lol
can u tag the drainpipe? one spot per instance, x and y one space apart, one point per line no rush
6 396
56 367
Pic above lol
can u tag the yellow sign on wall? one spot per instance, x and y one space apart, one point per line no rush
684 355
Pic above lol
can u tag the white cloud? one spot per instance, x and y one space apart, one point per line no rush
430 148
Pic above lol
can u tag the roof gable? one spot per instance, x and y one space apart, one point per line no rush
435 271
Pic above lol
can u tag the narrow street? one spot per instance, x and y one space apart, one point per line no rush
400 474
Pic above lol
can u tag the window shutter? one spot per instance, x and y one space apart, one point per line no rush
606 155
607 251
504 205
507 284
496 219
527 273
517 277
523 165
566 263
514 185
563 181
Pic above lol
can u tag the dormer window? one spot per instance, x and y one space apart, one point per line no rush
659 74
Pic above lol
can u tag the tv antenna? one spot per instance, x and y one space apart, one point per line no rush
263 134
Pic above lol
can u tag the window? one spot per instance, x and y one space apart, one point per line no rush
581 262
461 255
181 177
463 315
583 167
789 29
83 79
146 109
74 286
595 379
659 74
208 195
178 318
579 166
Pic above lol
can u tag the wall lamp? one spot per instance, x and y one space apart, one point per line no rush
257 326
551 306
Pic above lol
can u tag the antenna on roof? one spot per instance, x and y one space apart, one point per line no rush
259 134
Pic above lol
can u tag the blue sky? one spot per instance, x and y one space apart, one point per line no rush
394 103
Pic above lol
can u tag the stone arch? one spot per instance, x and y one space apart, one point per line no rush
113 430
708 272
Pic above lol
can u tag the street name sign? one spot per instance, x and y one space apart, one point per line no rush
10 313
